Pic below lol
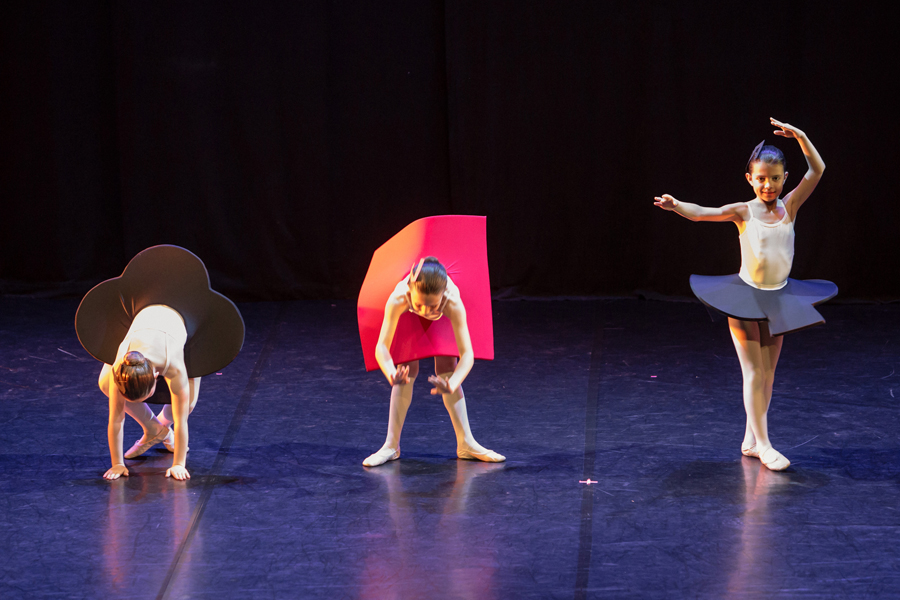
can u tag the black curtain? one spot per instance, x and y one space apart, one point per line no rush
284 141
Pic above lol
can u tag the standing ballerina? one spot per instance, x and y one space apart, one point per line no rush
429 293
762 303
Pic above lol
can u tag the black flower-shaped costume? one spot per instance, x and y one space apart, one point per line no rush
176 278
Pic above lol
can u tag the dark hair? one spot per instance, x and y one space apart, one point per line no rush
769 155
432 278
134 377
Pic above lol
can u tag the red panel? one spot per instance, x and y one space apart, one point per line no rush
460 243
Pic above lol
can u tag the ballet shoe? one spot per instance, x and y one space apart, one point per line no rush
750 451
169 442
381 457
487 456
774 460
142 445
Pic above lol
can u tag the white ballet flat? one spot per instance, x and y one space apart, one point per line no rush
169 442
774 460
381 457
489 456
143 445
750 451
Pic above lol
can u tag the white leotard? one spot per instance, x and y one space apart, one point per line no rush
767 252
157 332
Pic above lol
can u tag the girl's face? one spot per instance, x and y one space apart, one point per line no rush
767 180
427 305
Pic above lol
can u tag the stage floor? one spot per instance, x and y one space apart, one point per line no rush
641 397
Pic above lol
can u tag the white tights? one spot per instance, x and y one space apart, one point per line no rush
401 398
758 353
140 412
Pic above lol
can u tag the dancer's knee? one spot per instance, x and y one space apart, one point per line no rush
755 378
413 370
444 364
451 399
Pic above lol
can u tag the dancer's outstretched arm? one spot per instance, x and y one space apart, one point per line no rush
736 212
814 162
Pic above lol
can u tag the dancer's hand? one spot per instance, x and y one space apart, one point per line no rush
116 471
441 385
400 375
785 130
178 472
666 202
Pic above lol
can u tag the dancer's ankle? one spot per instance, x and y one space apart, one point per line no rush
471 445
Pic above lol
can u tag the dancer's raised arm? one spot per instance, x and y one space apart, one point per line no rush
730 212
815 167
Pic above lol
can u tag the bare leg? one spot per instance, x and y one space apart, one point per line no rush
401 398
758 354
466 446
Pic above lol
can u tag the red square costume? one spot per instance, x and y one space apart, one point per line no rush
460 244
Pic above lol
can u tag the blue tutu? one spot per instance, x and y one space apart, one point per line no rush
788 309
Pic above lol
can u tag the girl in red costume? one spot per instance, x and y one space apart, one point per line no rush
429 293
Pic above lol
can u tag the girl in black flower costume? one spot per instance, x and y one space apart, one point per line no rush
158 328
762 303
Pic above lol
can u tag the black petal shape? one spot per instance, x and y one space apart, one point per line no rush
167 275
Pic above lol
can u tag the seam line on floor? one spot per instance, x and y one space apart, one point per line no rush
212 477
586 529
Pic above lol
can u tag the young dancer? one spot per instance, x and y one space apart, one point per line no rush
153 348
762 303
158 328
429 293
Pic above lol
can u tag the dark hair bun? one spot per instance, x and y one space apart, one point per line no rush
133 359
433 277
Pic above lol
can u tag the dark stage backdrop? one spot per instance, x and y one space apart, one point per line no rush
284 141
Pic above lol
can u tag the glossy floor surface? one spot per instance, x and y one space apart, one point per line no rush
643 398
